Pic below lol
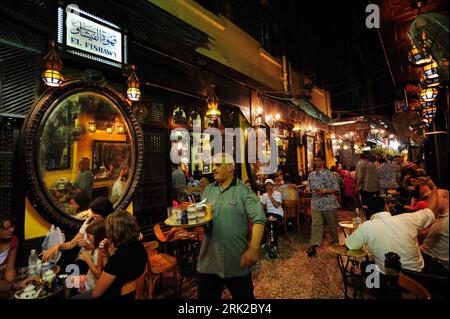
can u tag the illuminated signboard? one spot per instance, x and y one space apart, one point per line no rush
91 37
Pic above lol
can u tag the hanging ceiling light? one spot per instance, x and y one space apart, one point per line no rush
419 57
426 82
92 127
429 113
429 94
430 70
212 101
109 129
425 105
120 129
133 92
52 76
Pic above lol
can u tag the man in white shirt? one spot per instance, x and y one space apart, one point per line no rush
383 233
435 246
272 201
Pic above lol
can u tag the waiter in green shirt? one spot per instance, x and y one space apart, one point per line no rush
226 256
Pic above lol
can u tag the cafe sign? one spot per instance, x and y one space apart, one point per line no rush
91 37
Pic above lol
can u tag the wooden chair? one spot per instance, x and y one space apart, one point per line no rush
292 212
136 285
413 287
159 264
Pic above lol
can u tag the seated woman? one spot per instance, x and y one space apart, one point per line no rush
127 261
8 253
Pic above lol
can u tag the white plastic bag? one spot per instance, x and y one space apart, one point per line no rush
54 236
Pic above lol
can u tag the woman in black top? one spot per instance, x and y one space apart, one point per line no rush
128 256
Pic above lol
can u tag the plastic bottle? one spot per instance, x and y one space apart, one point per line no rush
32 262
357 217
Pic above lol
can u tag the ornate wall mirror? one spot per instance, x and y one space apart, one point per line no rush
81 141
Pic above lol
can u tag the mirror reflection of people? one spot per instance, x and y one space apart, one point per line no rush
79 201
116 166
8 252
119 185
85 179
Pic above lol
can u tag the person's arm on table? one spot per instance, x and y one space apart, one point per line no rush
357 239
46 254
102 284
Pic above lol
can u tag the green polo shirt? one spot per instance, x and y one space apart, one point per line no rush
226 236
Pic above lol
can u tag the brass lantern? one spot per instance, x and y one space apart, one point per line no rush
92 127
429 94
426 82
109 129
212 101
133 92
419 57
52 76
425 105
429 113
120 129
430 70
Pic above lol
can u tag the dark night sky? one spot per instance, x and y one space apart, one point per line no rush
329 42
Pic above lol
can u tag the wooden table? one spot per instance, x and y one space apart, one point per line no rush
349 266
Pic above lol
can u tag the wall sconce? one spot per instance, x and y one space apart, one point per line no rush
277 117
120 129
92 127
430 70
109 129
258 116
429 94
212 102
52 76
419 57
133 92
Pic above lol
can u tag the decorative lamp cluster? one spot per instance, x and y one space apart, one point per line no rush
419 57
133 92
52 76
92 127
212 102
429 94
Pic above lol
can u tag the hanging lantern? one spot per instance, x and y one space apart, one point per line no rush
429 113
109 129
133 92
419 57
120 129
52 76
425 105
212 101
429 94
92 127
430 70
426 82
296 127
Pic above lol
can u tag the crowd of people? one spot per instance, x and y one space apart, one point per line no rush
111 252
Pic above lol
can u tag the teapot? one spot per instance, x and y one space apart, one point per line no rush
30 292
48 276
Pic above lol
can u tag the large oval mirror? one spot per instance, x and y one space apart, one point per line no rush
84 142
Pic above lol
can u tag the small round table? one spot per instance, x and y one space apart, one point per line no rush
348 263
